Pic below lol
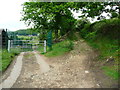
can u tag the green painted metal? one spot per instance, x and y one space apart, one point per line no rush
49 40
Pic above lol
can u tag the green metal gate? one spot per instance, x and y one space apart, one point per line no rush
25 45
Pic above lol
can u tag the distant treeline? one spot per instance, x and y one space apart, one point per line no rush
24 32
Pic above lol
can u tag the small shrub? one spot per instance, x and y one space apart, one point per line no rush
85 30
91 36
72 36
71 45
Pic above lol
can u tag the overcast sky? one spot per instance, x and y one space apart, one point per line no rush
10 14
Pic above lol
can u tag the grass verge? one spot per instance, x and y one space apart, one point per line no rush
108 49
112 72
58 49
7 57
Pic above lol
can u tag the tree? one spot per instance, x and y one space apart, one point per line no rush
45 16
92 9
57 16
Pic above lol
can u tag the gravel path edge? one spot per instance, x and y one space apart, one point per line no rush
8 83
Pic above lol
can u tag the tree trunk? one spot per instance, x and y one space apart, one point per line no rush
57 20
56 34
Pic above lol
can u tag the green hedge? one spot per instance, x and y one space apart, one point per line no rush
109 28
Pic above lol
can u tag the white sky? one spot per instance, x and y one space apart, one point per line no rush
90 19
10 14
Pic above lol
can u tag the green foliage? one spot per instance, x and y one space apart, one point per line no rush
49 16
91 35
57 16
85 30
81 23
72 36
70 46
109 28
22 32
60 48
114 14
27 37
92 9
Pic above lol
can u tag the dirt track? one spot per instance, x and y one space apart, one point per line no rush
68 74
68 71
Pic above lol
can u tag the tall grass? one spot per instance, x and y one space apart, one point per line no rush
41 48
7 57
112 72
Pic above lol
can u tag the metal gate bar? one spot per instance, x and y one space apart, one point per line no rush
24 44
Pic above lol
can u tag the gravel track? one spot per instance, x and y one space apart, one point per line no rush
70 73
67 71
